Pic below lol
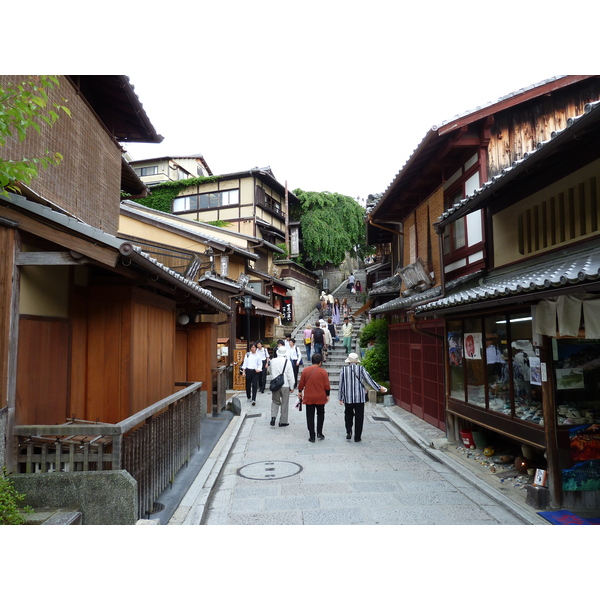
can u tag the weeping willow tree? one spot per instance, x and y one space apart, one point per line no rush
332 224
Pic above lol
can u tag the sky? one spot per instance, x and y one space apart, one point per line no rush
333 96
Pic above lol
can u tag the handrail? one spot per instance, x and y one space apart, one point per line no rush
119 428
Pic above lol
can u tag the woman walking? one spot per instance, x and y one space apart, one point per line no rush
251 370
336 312
333 333
352 394
308 341
345 308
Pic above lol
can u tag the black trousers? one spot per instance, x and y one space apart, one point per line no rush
310 418
354 414
262 381
252 378
295 368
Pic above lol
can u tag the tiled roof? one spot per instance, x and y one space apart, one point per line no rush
400 303
432 293
125 248
556 272
518 165
206 295
390 285
433 131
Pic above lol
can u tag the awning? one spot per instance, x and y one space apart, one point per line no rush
262 309
551 275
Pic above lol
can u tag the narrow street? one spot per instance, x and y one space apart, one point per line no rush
274 476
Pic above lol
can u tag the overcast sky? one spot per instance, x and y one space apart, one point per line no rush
336 96
333 96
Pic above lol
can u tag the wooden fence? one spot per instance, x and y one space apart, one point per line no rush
151 445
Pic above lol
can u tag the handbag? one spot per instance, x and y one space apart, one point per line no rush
277 382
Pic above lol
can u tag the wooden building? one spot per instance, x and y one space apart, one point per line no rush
95 372
452 162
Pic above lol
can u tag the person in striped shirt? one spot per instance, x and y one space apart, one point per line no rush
352 393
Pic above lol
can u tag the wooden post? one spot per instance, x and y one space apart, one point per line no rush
550 426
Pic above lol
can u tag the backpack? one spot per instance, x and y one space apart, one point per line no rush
277 382
319 335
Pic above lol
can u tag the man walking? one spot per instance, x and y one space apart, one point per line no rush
347 335
317 339
280 399
352 394
313 391
252 370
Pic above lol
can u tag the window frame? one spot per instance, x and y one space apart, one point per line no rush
455 189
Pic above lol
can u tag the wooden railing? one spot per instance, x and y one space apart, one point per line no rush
151 445
220 375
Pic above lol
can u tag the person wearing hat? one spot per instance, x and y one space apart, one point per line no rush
351 392
280 398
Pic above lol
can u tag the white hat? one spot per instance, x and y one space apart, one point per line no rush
282 351
352 358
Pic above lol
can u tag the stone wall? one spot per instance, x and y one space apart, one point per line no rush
305 297
103 497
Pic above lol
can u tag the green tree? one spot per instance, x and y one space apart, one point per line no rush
25 105
332 224
376 358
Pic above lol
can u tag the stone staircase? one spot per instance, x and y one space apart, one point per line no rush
335 358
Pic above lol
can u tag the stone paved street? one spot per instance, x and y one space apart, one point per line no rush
275 476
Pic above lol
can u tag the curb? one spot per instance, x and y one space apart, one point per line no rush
191 509
465 473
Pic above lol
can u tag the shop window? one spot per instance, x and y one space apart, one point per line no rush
493 365
497 361
577 371
455 359
474 363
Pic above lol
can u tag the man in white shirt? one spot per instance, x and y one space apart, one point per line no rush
252 370
280 398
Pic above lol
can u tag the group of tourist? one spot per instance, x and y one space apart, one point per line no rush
313 387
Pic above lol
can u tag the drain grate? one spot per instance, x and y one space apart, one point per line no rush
274 469
254 416
380 418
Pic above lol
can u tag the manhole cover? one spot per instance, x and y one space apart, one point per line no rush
275 469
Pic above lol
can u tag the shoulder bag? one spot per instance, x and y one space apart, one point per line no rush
277 382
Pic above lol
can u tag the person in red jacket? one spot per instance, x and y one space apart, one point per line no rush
313 391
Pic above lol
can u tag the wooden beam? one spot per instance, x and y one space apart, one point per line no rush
106 256
48 258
